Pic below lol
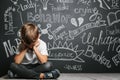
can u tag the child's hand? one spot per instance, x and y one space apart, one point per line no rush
36 44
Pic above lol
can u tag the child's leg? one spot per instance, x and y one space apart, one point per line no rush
23 72
46 67
47 71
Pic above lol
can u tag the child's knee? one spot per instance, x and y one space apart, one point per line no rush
13 65
49 66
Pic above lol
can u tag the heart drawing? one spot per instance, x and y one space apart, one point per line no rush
77 22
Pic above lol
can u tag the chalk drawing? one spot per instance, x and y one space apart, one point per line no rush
80 21
8 19
95 16
115 4
45 31
64 22
113 17
77 22
76 32
103 4
44 3
14 1
64 52
74 22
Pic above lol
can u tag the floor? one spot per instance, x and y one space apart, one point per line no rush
81 76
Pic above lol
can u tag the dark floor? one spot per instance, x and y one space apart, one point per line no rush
81 76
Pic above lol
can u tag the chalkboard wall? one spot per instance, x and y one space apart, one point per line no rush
81 35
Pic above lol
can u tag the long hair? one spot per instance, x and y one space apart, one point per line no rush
29 34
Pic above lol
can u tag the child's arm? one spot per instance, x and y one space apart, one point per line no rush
19 57
42 58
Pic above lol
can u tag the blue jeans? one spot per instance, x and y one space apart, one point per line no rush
30 70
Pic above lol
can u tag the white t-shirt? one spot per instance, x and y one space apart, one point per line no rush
31 58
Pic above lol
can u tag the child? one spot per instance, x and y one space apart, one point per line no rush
31 60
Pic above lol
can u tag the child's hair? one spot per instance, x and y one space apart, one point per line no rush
29 34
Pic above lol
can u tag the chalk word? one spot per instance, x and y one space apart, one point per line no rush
65 1
85 2
58 29
62 7
8 19
73 67
99 58
100 40
116 58
84 11
63 35
64 52
50 18
57 34
9 48
28 5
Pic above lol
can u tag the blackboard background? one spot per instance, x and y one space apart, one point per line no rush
68 32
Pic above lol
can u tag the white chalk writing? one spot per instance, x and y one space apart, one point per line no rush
85 27
9 48
50 18
27 6
73 67
116 58
65 1
99 58
85 2
84 11
8 19
64 52
100 40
